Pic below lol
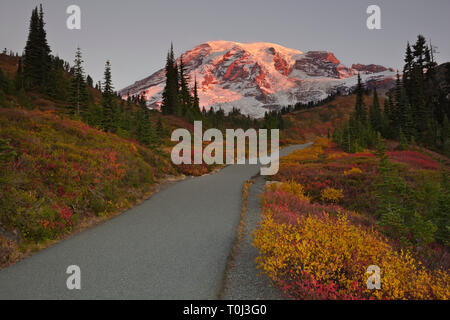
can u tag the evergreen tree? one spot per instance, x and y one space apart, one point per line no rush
89 81
408 68
445 135
3 82
196 101
108 102
417 109
375 113
387 115
170 103
360 107
18 79
78 96
419 52
32 56
146 133
396 108
404 117
418 101
37 60
160 128
46 60
184 92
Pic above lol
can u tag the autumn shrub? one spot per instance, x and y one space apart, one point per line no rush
64 171
410 211
353 171
410 203
309 154
320 257
291 187
317 249
413 158
331 195
317 176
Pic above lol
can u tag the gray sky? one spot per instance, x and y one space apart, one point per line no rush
135 34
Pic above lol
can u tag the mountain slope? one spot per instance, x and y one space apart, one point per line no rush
65 176
255 77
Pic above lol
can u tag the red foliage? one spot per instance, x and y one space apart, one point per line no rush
304 286
288 207
414 158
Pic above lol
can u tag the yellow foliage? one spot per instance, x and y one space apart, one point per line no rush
336 155
290 187
322 142
332 195
353 171
335 251
309 154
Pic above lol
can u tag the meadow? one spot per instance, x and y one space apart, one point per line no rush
64 174
332 214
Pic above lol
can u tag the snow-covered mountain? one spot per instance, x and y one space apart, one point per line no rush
255 77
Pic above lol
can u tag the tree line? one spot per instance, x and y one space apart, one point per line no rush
416 110
69 86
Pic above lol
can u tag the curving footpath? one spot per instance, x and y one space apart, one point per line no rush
173 246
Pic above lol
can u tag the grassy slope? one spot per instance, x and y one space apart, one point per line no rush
66 174
305 125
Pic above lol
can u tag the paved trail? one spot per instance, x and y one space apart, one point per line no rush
243 281
173 246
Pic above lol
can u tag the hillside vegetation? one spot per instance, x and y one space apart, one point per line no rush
333 214
306 125
62 173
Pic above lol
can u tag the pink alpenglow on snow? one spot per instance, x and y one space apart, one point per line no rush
256 77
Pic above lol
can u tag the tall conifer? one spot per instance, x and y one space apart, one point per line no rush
78 95
108 97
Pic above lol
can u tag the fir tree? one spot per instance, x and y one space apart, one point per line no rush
18 79
419 52
37 60
375 113
46 60
408 68
445 135
78 95
170 103
160 128
32 56
387 115
145 132
360 107
108 97
418 101
89 81
406 118
3 82
184 92
196 100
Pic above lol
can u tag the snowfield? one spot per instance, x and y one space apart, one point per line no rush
256 77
